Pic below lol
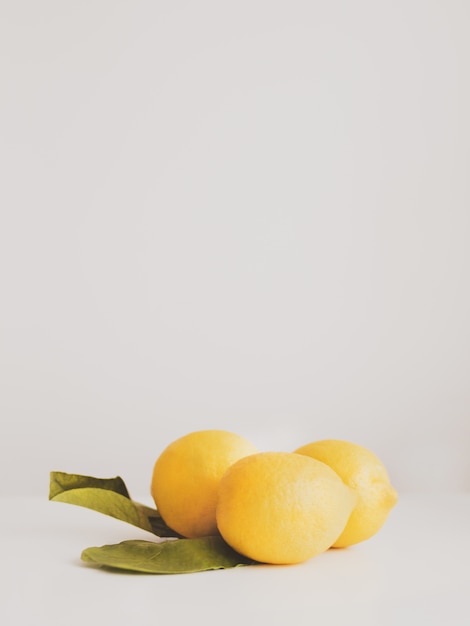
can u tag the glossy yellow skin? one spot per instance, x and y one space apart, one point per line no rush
360 469
282 508
186 477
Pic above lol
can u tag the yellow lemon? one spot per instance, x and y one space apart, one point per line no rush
280 507
361 470
186 476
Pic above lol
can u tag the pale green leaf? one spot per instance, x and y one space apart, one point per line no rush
168 557
109 496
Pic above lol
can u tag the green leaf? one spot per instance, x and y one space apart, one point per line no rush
108 496
182 556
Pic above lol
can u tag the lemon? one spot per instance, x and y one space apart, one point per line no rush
186 477
282 508
361 470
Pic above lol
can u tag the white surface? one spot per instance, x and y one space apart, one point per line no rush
248 215
415 571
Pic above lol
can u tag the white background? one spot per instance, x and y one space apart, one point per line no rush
249 215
